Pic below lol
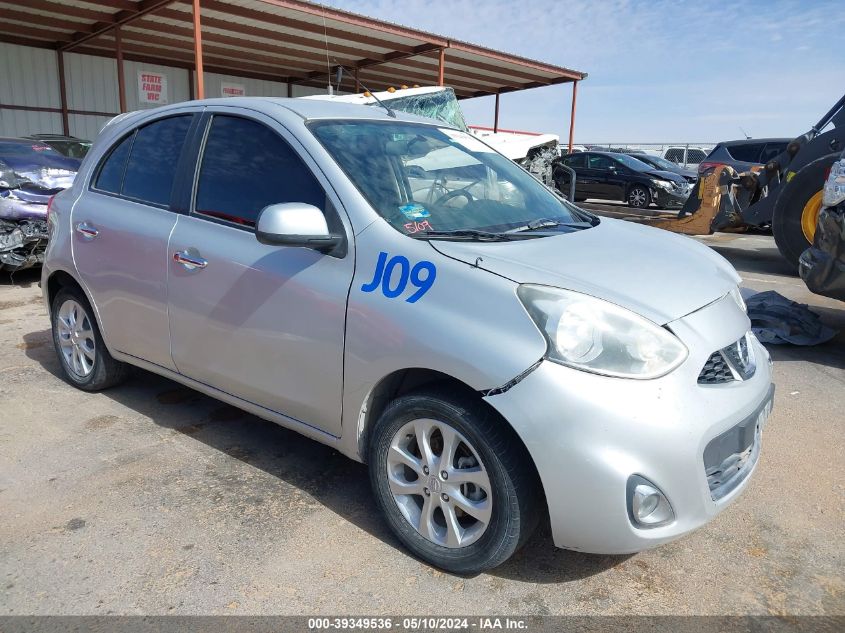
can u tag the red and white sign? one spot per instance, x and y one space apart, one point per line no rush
152 87
232 90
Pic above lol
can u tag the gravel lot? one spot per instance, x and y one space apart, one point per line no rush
153 499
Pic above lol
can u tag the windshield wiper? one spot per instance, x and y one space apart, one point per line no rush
465 234
537 225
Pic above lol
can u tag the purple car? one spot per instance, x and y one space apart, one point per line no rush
31 172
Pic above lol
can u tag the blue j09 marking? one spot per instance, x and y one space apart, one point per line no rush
391 287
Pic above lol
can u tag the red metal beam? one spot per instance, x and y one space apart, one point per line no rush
198 51
63 92
121 79
121 17
10 106
572 115
442 67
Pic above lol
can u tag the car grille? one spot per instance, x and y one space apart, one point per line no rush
734 362
715 370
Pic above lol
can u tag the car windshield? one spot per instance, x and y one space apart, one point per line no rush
71 149
663 163
633 163
440 106
423 179
28 148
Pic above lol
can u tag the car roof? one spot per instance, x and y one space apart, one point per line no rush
753 141
308 109
55 137
17 139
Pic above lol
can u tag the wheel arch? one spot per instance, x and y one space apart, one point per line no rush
59 279
403 381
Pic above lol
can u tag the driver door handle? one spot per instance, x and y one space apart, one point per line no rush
189 261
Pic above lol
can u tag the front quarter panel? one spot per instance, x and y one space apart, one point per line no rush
469 325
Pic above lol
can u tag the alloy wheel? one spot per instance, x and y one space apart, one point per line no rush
439 483
638 197
76 338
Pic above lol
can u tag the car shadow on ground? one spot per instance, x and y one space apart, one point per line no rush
338 483
23 278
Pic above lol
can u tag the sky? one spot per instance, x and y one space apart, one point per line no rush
659 70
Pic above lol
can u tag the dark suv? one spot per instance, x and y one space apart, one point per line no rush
610 176
744 154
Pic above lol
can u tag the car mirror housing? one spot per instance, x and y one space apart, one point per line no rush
295 224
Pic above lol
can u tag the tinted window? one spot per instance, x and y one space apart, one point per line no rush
576 160
599 162
152 162
247 166
771 150
747 152
111 173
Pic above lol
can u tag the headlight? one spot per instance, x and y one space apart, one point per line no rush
663 184
597 336
736 295
834 188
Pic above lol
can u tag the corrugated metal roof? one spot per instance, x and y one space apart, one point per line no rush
292 41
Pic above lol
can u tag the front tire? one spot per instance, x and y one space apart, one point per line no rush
797 209
453 481
639 197
85 361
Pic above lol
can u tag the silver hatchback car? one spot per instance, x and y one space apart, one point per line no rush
396 289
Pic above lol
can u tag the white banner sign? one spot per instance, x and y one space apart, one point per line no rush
232 90
152 87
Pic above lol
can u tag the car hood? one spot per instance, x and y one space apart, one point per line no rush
666 175
659 275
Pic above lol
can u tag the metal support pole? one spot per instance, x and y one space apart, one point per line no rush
63 93
496 116
442 67
198 51
572 115
121 78
290 89
191 96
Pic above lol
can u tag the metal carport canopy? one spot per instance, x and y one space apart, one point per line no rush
279 40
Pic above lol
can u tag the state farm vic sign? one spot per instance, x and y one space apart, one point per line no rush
152 87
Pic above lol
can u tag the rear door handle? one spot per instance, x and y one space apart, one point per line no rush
86 230
189 261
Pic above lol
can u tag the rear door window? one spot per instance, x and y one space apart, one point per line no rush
747 152
599 162
245 167
152 164
771 150
110 177
576 160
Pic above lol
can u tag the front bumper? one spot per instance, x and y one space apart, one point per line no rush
669 199
588 434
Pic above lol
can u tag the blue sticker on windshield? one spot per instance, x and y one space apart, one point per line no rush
421 276
414 211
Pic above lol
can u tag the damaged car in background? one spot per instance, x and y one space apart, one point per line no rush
30 174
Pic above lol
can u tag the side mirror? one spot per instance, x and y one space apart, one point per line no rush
295 224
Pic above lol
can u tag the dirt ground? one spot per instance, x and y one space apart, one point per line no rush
153 499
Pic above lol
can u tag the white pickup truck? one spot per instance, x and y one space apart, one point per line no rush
535 152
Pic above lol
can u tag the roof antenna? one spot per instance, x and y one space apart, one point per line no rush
328 64
387 109
744 133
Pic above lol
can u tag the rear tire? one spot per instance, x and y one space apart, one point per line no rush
85 361
410 489
794 203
